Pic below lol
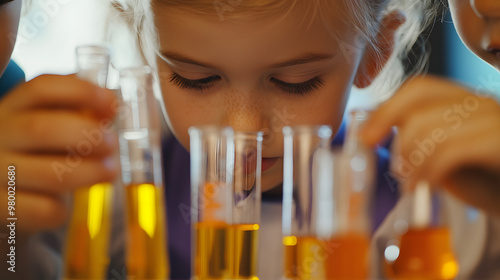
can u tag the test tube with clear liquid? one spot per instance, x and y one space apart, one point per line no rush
326 204
424 247
86 255
141 165
225 189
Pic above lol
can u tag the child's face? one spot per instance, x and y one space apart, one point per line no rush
9 20
255 74
478 24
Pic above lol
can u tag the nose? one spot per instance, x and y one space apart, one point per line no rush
486 8
244 111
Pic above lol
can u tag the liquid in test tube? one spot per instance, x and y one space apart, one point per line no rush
353 184
424 250
140 156
86 255
225 178
326 196
307 209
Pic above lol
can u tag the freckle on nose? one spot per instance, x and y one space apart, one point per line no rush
242 111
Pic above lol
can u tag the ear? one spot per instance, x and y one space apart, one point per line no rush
373 60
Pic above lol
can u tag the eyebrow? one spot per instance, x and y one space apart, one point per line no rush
301 59
185 59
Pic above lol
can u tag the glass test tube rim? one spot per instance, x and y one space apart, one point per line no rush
360 113
92 50
322 130
210 129
253 135
133 71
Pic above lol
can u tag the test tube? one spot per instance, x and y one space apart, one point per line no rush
354 174
305 253
225 189
86 255
140 158
326 196
246 202
424 249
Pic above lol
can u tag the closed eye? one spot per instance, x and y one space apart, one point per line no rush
299 88
199 84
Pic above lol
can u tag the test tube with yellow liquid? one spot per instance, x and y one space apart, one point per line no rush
326 203
86 255
140 157
424 249
305 252
225 180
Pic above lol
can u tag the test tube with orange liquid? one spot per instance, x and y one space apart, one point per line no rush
86 255
424 249
326 202
353 178
225 190
140 157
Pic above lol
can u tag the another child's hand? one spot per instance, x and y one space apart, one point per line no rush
56 132
445 135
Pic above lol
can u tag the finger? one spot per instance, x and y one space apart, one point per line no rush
422 127
38 212
58 174
423 147
55 131
68 92
477 151
413 96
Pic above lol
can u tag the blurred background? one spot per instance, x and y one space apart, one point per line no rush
51 30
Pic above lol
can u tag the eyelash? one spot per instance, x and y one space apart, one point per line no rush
205 83
299 88
200 84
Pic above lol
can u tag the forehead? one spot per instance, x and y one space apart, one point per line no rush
303 12
241 33
243 8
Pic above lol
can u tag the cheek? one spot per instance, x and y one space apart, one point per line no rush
327 105
184 110
469 27
180 114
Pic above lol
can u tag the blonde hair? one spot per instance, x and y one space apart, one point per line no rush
367 15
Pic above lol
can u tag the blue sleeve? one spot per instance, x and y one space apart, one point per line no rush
12 76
